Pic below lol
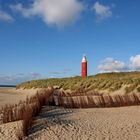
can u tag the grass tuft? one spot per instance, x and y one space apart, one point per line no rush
25 110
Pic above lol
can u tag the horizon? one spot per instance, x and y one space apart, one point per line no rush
14 85
41 39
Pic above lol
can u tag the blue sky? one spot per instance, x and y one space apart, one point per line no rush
47 38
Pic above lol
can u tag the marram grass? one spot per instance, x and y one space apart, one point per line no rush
107 81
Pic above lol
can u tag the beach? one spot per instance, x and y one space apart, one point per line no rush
55 123
13 95
87 124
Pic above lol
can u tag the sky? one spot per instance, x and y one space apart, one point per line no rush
47 38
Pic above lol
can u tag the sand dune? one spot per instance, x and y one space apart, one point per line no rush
13 96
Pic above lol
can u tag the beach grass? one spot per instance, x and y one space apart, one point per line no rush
25 110
100 82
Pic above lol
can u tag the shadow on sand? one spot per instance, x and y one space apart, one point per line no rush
49 116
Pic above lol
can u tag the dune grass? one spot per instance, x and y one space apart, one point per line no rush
90 101
107 81
25 110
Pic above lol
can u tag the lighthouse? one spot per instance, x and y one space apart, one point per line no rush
84 67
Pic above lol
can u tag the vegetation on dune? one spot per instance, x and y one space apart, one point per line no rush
25 111
107 81
99 101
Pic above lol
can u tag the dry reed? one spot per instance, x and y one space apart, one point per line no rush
87 101
25 110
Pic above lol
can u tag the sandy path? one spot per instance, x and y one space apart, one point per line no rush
87 124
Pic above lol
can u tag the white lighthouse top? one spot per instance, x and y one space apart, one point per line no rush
84 59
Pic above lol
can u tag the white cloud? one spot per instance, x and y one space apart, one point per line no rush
52 12
67 69
5 16
112 65
135 62
18 78
56 73
102 11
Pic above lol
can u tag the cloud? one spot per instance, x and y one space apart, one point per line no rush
112 65
35 75
5 17
67 69
102 11
135 62
53 12
56 73
18 78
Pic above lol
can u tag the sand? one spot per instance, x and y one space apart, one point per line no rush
13 96
87 124
10 131
58 123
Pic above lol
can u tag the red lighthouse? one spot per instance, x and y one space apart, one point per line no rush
84 67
